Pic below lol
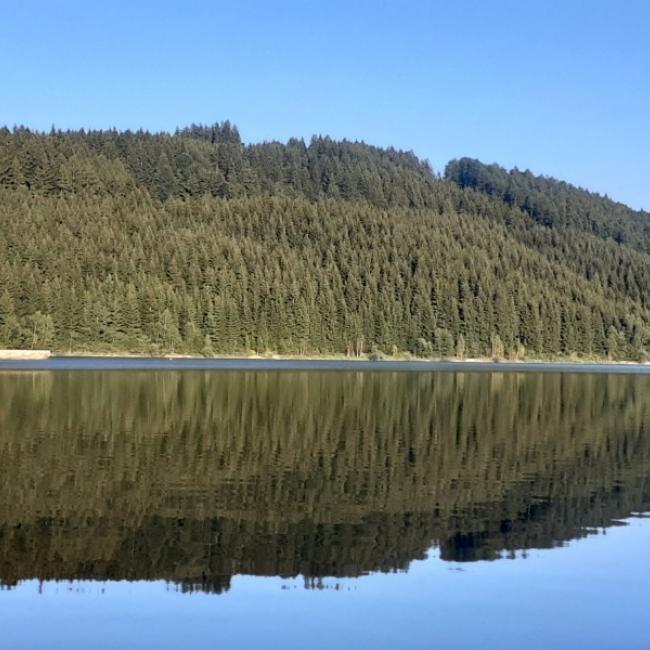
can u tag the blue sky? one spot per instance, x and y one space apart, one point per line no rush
561 86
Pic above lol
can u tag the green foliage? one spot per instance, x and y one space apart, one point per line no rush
554 203
195 242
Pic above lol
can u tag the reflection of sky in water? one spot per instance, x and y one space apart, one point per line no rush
594 593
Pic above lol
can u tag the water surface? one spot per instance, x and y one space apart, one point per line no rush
187 363
231 508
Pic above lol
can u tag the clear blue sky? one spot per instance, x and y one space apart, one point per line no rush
558 86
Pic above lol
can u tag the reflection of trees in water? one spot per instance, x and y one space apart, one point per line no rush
195 476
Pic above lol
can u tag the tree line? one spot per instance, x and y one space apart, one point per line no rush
197 243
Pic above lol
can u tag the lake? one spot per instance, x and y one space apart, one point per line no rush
180 504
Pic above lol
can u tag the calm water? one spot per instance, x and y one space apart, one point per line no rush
237 508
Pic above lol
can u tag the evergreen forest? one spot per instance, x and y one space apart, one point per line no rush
197 243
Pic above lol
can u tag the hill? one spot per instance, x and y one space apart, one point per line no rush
196 242
555 203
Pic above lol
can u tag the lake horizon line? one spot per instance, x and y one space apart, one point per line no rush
105 362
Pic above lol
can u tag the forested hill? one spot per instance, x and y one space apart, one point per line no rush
196 242
212 161
554 203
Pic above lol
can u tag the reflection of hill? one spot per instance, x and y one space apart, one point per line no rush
193 477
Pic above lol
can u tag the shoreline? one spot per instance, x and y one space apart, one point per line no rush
596 361
99 362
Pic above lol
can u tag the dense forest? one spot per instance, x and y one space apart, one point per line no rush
194 477
195 242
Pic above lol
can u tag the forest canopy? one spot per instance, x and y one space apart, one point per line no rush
195 242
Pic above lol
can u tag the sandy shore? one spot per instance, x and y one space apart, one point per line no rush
24 355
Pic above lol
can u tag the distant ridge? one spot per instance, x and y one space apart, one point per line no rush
555 203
